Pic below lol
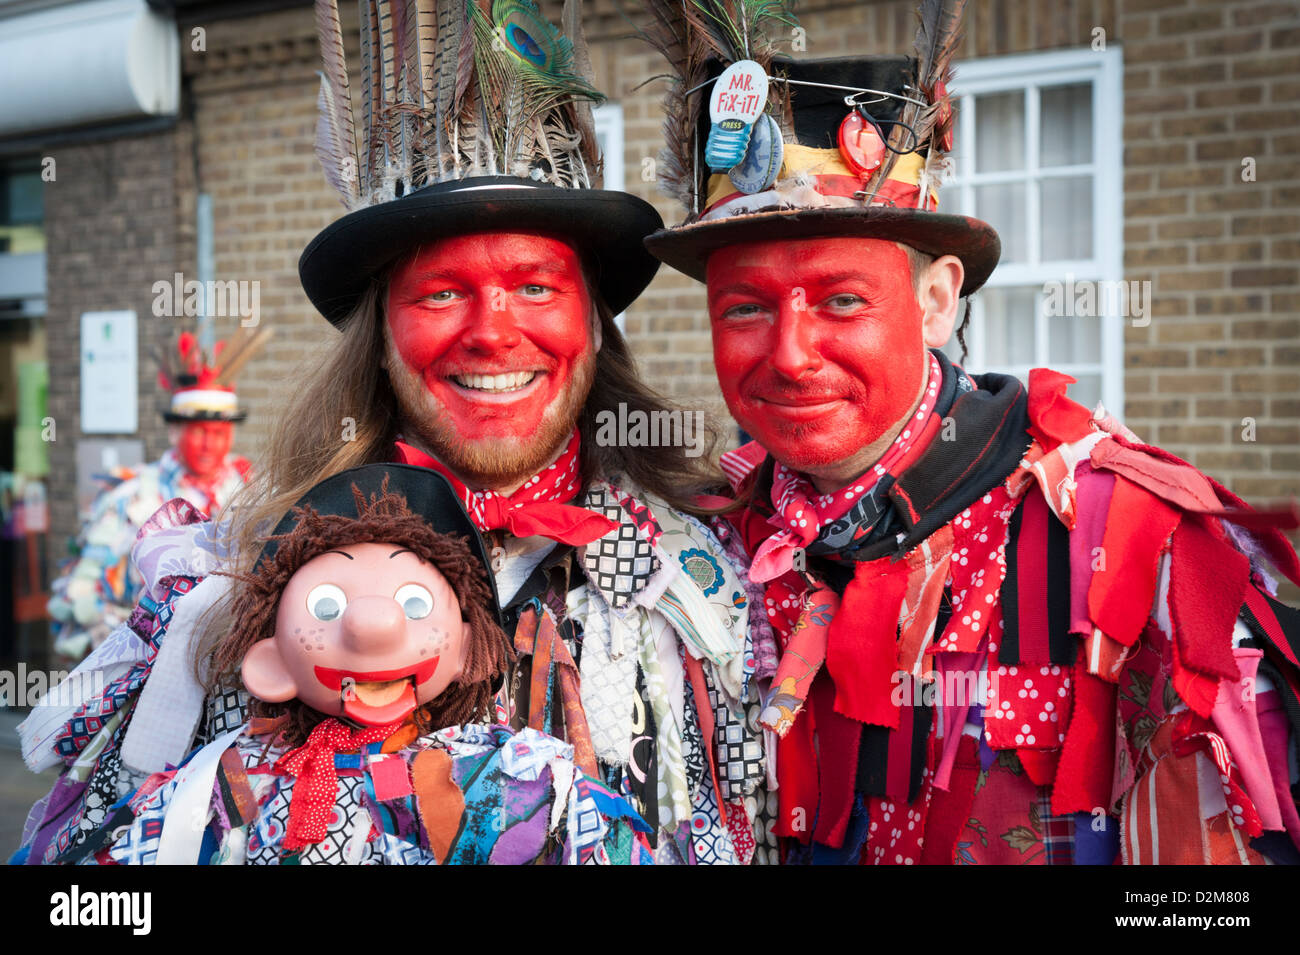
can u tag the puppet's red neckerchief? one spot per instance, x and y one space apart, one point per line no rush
537 507
802 512
317 782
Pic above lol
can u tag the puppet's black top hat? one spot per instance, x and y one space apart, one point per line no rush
474 121
428 494
768 147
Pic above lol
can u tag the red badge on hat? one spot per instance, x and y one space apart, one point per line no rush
860 144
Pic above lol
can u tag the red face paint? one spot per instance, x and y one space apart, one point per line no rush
818 344
491 350
203 446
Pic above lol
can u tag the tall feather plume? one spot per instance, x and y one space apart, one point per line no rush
580 108
938 34
445 96
372 73
687 33
336 146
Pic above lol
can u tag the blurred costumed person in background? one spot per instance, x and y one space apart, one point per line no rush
99 586
1009 631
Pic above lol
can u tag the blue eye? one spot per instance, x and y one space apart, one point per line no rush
326 602
416 601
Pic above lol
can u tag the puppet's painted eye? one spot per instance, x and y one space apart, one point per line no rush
416 601
326 602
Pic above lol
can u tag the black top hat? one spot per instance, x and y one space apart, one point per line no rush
850 146
477 118
606 227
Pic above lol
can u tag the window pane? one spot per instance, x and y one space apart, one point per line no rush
1087 391
1000 131
1065 121
1066 218
1008 326
1003 207
1074 338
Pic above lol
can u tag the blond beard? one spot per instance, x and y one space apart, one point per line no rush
493 463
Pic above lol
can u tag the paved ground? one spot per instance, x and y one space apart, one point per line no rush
19 786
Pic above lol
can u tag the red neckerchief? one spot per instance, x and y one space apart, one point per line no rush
317 782
801 512
537 507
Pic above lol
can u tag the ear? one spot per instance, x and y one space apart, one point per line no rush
265 675
939 295
597 336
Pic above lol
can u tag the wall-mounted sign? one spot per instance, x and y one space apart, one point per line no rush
109 390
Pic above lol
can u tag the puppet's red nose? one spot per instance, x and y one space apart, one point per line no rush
373 624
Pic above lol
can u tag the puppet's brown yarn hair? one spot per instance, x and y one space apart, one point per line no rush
385 519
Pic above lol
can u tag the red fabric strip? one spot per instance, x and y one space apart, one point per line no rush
1123 590
837 765
1208 578
1279 549
1053 418
898 764
704 710
1083 775
1031 580
796 774
862 645
950 810
1039 764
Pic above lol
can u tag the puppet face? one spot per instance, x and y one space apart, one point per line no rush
203 446
491 345
818 343
368 631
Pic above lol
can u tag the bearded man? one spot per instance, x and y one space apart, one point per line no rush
474 285
1010 631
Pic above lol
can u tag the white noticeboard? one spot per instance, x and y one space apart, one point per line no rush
109 390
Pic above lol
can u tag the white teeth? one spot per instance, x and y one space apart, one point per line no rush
508 382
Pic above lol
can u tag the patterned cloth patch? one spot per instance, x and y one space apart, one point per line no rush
623 561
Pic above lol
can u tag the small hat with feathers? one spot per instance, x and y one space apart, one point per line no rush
476 116
815 192
203 387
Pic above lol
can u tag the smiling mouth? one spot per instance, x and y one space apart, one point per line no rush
375 698
496 384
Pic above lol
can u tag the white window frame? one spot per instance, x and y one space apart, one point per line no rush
1029 72
608 118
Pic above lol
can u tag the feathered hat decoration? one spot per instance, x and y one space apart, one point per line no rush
202 387
475 115
762 146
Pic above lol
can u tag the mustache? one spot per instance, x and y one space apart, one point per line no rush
822 388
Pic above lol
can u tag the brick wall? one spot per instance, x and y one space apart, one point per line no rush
1206 87
112 222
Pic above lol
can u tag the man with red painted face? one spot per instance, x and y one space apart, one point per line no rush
474 285
1009 631
99 588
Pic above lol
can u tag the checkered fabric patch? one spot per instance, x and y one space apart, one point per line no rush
223 712
621 562
740 751
1058 832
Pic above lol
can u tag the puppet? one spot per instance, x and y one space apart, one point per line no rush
368 635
